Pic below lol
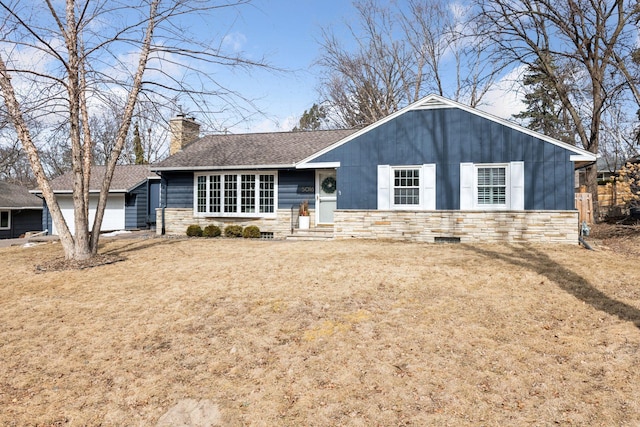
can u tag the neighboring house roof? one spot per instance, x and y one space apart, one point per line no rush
125 178
14 196
438 102
253 150
606 165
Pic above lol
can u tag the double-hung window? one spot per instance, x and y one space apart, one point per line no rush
5 220
235 194
491 185
406 187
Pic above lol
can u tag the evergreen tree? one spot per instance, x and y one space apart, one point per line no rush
544 112
137 146
312 119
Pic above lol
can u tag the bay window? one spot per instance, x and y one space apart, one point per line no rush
235 194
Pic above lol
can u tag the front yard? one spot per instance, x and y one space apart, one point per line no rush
357 333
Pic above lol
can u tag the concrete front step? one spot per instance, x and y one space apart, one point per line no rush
311 234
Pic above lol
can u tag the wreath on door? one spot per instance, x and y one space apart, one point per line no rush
329 185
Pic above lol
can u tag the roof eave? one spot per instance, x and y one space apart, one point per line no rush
14 208
232 167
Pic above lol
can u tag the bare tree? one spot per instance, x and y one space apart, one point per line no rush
369 83
577 35
403 51
87 51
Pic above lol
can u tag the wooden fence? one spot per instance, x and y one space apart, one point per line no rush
584 205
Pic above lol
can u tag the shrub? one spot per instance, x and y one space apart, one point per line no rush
233 231
194 230
251 232
211 231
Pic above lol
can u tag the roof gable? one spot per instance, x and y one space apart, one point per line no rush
251 150
439 102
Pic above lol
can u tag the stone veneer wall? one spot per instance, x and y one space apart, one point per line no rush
425 226
469 226
178 219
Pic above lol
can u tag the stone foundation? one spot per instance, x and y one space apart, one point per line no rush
467 226
425 226
177 220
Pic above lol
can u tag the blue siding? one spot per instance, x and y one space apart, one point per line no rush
47 221
448 137
293 186
178 191
22 221
135 210
154 201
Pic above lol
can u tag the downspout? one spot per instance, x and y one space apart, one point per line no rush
44 208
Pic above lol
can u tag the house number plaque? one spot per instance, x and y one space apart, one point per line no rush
306 189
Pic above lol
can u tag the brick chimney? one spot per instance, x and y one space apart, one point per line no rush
184 130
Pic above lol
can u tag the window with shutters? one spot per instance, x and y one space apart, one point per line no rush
406 187
491 185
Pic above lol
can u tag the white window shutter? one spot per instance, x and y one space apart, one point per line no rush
429 187
517 185
466 186
384 181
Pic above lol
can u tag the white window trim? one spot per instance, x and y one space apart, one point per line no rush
222 214
427 189
392 187
507 201
8 227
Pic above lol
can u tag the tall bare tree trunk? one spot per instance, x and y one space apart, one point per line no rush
13 108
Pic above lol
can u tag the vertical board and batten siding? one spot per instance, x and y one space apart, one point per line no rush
448 137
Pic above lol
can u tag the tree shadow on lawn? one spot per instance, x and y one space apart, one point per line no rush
135 245
568 280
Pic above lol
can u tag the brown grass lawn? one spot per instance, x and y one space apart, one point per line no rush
338 333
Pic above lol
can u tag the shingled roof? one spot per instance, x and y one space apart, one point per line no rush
276 149
125 178
14 196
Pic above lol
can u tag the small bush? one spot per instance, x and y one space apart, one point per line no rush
194 230
251 232
211 231
233 231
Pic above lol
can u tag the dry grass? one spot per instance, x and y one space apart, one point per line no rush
320 334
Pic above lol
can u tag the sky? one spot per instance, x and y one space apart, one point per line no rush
287 33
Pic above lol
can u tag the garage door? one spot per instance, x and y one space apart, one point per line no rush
113 214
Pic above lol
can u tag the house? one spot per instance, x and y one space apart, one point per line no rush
20 211
131 203
436 170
